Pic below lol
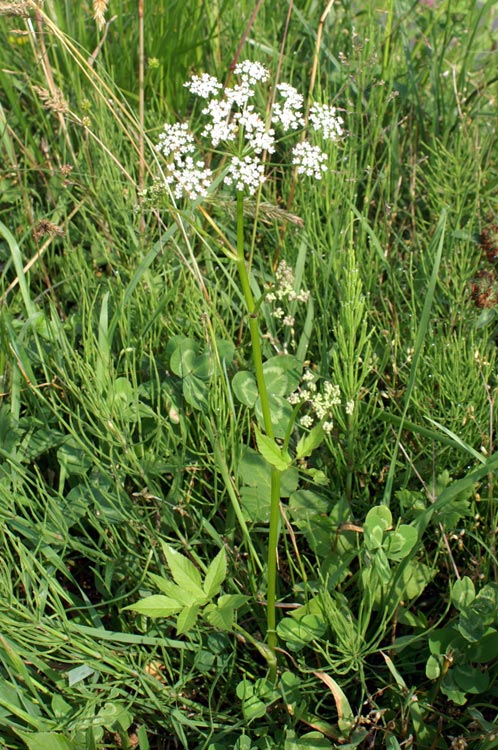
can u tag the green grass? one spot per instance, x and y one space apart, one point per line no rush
108 449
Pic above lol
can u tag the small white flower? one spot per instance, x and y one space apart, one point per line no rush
255 132
288 321
251 72
289 114
203 86
245 173
189 177
326 120
349 408
221 127
176 139
239 94
309 160
328 426
306 421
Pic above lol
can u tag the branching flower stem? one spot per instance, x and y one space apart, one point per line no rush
257 357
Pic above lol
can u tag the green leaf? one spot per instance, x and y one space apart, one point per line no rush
195 391
183 358
173 591
156 606
46 740
400 542
470 679
183 570
187 619
309 442
115 716
309 741
298 633
271 452
463 593
282 374
281 414
377 522
433 667
216 574
254 471
221 615
245 388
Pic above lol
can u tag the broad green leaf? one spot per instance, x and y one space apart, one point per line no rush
46 741
400 542
298 633
282 374
433 667
281 414
183 358
221 615
216 574
271 452
254 471
377 522
156 605
309 741
308 443
115 716
470 679
181 595
183 570
245 388
195 392
463 593
187 619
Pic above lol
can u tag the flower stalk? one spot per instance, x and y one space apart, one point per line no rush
257 357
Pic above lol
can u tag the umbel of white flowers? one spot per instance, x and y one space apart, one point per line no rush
235 128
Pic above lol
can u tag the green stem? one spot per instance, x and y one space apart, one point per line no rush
257 357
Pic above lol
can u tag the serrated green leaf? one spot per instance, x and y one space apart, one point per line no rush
183 570
187 619
221 614
271 452
181 595
156 605
308 443
216 574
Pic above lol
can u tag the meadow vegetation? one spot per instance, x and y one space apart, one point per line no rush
155 508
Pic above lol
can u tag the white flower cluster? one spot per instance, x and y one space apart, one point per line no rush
321 405
230 119
284 291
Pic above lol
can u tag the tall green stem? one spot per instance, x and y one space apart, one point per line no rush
257 357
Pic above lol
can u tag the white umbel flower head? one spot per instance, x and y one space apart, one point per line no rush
176 139
245 173
203 86
326 120
288 115
251 72
309 160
